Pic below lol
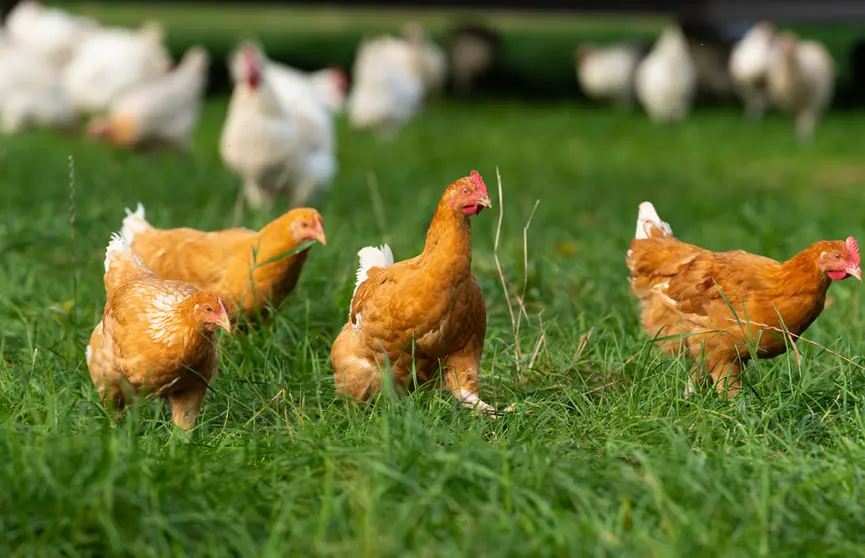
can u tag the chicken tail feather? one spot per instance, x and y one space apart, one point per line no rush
648 219
121 263
133 223
371 257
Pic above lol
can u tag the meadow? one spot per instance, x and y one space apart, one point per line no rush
603 456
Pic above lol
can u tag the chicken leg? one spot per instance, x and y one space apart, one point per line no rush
460 375
186 404
723 373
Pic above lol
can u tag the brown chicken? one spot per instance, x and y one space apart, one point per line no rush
156 337
249 268
682 290
427 311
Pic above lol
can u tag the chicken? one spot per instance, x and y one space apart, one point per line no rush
715 305
388 88
49 32
162 111
31 94
419 314
253 270
274 149
666 80
155 336
607 73
749 64
801 79
110 62
474 51
327 86
434 63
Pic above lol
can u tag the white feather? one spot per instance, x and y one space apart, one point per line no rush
118 243
371 257
646 215
88 352
134 222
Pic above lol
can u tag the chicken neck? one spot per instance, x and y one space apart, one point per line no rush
448 248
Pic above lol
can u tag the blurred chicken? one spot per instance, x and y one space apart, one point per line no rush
162 111
715 305
312 98
31 94
251 269
155 336
112 62
434 63
474 51
49 32
607 73
801 79
421 314
388 88
272 147
749 65
666 79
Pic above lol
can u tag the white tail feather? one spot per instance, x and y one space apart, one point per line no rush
118 244
371 257
648 216
134 223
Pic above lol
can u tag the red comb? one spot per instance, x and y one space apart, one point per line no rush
853 250
478 181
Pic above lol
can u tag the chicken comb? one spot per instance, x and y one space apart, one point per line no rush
476 179
853 250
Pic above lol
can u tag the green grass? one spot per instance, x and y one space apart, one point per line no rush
604 456
279 465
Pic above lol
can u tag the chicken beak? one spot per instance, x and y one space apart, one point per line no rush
854 271
319 236
225 323
485 202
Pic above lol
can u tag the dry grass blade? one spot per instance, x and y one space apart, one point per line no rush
818 345
517 352
377 206
583 345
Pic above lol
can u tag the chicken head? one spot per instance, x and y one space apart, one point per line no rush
469 195
307 225
209 312
841 259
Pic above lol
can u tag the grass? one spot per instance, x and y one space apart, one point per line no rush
610 461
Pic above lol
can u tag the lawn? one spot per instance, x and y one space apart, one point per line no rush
602 457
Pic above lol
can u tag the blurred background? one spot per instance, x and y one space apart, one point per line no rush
534 41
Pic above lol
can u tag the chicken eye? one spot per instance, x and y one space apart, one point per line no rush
465 190
837 255
208 308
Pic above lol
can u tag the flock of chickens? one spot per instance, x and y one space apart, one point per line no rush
411 322
422 321
278 136
766 68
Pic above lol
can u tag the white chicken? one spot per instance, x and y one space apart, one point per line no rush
162 111
607 73
328 85
666 80
111 62
266 144
31 94
801 79
388 87
49 32
313 98
749 64
434 62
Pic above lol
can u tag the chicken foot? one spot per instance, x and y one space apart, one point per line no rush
185 405
724 375
460 375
